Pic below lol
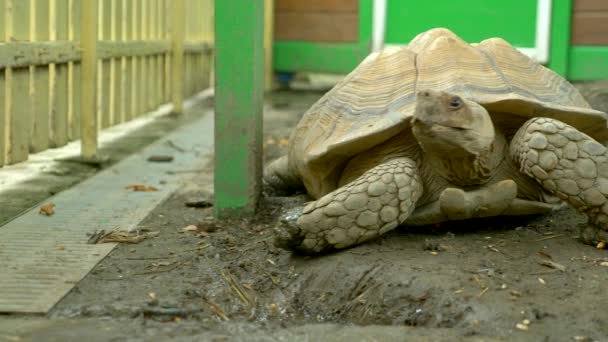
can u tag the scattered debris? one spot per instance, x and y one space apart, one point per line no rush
119 236
47 209
554 265
141 187
160 158
190 228
216 309
548 238
199 204
174 146
433 246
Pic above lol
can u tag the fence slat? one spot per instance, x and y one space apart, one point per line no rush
177 70
127 67
4 85
59 80
20 107
105 23
115 64
88 111
74 74
59 77
39 31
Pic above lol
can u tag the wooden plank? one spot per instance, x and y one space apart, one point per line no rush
318 5
141 65
88 111
239 98
177 58
135 60
105 109
115 63
20 107
590 5
126 63
58 135
18 54
74 74
39 140
3 92
268 43
590 28
317 27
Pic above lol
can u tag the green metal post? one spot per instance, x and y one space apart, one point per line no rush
239 97
559 49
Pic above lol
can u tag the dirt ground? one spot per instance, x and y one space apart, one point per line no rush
499 279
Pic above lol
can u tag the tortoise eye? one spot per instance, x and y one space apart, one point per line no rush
455 102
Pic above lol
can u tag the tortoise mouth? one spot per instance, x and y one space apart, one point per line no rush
431 123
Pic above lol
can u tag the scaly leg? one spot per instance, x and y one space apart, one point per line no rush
373 204
569 164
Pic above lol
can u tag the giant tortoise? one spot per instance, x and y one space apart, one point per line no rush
442 130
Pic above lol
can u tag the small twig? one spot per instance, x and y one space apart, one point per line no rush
216 309
160 271
548 238
151 258
175 312
483 292
175 147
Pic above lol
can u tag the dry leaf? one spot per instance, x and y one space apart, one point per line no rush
270 141
542 281
141 187
604 263
283 142
190 228
522 327
601 245
47 209
60 248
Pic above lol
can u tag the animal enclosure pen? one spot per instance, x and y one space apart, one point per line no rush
69 68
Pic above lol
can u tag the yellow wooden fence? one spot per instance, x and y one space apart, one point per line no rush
69 68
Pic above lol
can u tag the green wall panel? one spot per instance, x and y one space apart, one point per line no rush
588 63
473 20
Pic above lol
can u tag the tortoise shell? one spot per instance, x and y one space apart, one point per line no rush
377 100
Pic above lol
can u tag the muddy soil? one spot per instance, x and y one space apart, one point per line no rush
503 279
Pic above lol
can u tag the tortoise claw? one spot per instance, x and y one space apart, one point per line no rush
288 235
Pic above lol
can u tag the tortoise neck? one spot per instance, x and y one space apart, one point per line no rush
470 170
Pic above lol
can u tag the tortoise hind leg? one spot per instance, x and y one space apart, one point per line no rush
279 178
569 164
371 205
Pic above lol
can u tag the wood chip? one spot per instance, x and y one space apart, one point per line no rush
47 209
141 187
160 159
552 264
190 228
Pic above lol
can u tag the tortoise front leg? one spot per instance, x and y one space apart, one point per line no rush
569 164
373 204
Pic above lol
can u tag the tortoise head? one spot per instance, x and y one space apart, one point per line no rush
448 125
